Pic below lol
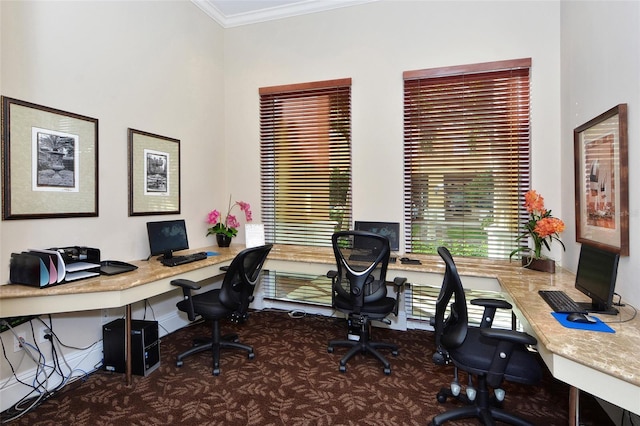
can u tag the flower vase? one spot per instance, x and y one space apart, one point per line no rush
543 265
223 240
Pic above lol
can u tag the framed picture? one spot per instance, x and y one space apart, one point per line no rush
154 174
49 162
602 181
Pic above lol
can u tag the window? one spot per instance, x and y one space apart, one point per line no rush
305 134
466 146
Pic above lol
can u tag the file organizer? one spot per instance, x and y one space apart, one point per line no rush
43 268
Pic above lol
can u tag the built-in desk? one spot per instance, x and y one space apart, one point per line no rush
602 364
605 365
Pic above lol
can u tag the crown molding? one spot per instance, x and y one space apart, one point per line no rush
302 7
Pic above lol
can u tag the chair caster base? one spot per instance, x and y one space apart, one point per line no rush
387 371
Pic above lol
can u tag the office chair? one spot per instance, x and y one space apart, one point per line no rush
491 355
230 301
359 290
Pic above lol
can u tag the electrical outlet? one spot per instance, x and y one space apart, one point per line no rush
16 343
41 334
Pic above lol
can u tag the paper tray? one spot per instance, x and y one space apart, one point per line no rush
113 267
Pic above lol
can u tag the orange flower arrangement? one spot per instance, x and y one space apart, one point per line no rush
541 226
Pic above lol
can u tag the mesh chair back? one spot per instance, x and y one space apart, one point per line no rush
450 325
241 278
362 259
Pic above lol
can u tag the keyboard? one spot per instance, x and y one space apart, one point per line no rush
181 260
560 302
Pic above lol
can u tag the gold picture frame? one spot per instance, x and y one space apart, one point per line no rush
49 162
601 181
154 174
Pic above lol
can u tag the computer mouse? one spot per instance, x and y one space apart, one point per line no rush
578 317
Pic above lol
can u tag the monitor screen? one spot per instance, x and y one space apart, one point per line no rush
596 277
391 230
167 236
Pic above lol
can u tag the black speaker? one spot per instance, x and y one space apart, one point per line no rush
145 347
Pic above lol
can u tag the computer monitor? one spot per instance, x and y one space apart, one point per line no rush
391 230
596 277
167 236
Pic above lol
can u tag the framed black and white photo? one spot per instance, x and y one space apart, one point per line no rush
50 162
601 181
154 174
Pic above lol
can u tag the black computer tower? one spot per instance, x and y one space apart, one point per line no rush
145 347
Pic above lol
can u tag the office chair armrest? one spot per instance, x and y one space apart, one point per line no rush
492 303
490 307
185 284
508 340
510 336
399 283
332 274
186 304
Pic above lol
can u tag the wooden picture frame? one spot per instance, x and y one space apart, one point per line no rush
49 162
602 181
154 174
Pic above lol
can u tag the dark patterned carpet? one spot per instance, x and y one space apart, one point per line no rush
291 381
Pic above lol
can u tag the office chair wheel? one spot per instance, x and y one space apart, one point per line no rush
179 363
330 349
387 371
394 353
442 397
216 371
343 368
251 355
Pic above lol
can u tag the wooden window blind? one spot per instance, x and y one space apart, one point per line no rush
305 154
467 157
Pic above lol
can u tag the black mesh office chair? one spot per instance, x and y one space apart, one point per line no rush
359 290
491 355
230 301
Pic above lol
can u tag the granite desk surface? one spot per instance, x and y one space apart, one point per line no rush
615 354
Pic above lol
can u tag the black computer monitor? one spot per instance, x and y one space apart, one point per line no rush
167 236
596 277
391 230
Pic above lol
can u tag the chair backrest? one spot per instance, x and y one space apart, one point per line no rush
361 273
451 330
241 278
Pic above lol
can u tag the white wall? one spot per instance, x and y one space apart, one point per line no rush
151 66
601 69
373 44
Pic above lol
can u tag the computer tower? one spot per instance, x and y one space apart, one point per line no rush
145 347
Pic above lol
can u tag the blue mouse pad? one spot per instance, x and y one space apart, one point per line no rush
212 253
597 326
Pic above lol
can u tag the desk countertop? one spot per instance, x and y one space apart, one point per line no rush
614 354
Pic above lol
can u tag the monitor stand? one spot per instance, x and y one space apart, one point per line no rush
589 307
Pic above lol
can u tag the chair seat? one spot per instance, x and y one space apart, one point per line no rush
207 305
476 354
379 308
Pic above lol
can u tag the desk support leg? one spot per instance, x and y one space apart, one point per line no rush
574 406
127 334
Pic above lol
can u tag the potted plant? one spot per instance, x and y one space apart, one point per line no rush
225 228
543 229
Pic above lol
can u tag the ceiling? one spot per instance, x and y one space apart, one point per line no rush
233 13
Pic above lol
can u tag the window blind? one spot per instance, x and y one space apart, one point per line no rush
305 154
467 157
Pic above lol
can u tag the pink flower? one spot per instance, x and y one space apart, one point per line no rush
246 208
213 217
232 221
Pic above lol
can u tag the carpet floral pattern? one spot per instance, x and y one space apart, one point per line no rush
293 380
